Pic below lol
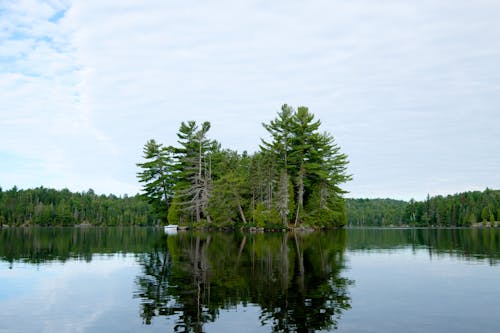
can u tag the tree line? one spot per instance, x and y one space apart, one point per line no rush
462 209
49 207
457 210
375 212
294 179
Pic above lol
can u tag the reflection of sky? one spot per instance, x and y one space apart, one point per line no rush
76 296
18 282
410 291
227 321
394 291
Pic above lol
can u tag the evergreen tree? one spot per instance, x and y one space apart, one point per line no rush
280 130
304 157
192 191
315 164
230 198
158 177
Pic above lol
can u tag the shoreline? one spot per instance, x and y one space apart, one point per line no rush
301 229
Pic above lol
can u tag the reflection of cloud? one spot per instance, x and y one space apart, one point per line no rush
71 297
403 86
12 276
435 285
227 320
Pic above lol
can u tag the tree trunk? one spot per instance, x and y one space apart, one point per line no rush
198 215
323 195
283 197
242 214
300 193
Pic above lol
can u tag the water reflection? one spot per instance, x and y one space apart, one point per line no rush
37 245
295 279
295 282
467 243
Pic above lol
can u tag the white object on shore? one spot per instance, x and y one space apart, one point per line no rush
171 229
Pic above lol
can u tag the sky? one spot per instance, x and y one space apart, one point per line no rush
409 89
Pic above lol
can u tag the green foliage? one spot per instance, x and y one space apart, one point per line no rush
43 207
462 209
158 177
324 212
175 214
223 202
193 165
312 161
270 188
259 215
465 208
379 212
230 197
266 218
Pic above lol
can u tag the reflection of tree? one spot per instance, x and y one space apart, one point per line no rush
38 245
467 244
181 288
191 283
294 278
156 266
315 295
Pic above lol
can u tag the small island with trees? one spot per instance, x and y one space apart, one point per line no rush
294 180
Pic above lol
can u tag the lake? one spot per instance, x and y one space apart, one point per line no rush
355 280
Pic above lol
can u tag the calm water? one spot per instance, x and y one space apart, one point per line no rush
359 280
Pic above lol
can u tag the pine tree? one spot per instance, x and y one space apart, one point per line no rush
279 148
302 157
192 191
158 177
311 162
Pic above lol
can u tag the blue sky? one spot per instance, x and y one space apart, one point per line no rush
410 90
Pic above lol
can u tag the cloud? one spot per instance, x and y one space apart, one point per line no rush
408 89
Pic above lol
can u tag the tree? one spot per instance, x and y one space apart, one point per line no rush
280 130
305 140
309 160
158 177
192 191
230 195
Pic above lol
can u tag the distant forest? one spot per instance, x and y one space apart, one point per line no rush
462 209
48 207
375 212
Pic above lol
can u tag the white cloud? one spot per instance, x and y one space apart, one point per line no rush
409 89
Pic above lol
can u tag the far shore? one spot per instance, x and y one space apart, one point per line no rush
481 225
